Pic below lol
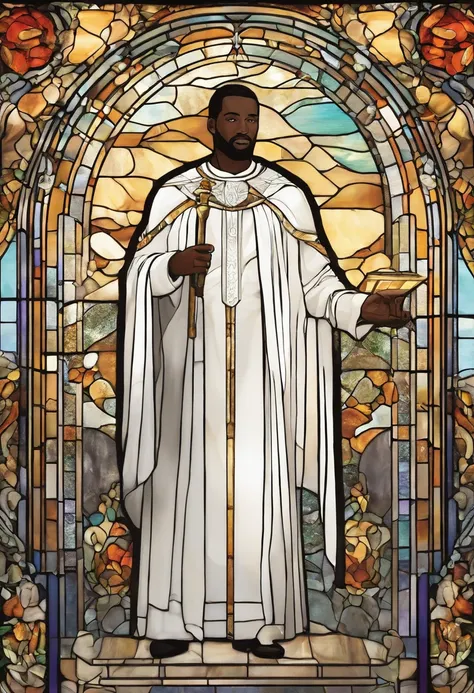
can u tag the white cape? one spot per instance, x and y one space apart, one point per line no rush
163 435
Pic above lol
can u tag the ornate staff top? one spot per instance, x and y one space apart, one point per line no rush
196 285
203 194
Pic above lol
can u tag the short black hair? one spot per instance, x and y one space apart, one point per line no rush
215 104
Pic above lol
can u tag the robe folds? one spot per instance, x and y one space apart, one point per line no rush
268 264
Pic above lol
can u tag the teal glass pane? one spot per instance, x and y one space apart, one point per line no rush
465 289
8 336
466 354
8 273
319 118
466 327
8 311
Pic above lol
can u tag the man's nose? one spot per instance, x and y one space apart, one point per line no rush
243 128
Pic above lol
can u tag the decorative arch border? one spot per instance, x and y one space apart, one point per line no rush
376 101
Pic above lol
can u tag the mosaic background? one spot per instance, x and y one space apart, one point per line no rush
372 106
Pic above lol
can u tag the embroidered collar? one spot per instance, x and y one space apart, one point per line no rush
216 174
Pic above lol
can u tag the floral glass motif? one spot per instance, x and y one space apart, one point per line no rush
371 105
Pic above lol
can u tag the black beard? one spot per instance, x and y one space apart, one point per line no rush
227 147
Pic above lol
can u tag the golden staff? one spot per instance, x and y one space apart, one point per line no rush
230 460
196 289
196 284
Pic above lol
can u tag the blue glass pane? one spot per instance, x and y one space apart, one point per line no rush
404 480
465 289
310 70
8 272
404 532
466 354
404 554
329 82
8 336
320 119
421 332
466 326
8 311
305 102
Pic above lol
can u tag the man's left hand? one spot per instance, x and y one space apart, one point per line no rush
385 309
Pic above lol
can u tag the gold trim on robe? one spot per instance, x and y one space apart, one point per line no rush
253 199
172 216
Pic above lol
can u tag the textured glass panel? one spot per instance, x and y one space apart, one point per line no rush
369 106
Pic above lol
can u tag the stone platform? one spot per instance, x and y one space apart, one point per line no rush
326 659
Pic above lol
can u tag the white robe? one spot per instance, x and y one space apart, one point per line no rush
174 410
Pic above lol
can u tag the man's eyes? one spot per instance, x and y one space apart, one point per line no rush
232 120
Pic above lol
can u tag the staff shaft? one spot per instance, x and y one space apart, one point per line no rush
230 461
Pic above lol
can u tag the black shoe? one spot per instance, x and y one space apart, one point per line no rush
160 649
244 645
273 651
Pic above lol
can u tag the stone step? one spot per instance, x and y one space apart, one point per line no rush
325 659
139 683
239 671
327 648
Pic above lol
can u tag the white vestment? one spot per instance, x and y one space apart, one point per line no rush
287 302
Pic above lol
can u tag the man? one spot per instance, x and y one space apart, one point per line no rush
228 392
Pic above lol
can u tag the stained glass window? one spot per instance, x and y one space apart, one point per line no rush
369 107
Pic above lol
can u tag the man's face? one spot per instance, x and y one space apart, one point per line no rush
235 129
